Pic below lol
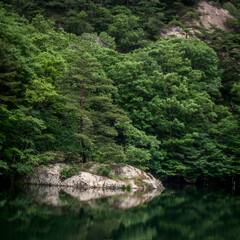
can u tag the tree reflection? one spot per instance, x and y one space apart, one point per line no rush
189 213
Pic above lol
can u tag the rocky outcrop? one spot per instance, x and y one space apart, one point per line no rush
122 177
209 16
176 31
99 42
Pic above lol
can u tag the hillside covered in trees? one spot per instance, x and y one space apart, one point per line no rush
96 81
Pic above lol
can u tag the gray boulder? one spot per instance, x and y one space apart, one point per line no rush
122 177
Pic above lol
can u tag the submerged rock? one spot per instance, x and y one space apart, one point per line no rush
122 177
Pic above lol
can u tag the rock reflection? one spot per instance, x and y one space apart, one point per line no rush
118 198
50 213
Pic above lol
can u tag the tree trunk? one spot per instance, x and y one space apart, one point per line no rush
84 155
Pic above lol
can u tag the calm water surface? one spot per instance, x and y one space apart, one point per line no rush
176 214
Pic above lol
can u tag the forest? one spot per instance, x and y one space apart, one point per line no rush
95 80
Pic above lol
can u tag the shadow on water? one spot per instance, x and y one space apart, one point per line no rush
65 213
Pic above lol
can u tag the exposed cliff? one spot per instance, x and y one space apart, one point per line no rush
209 16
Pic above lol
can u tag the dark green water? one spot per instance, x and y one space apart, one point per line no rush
176 214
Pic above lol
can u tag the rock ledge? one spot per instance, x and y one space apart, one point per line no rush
123 176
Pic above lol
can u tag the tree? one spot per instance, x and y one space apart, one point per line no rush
89 96
167 92
126 31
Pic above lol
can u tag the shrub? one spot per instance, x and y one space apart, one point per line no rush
104 170
129 187
107 40
68 172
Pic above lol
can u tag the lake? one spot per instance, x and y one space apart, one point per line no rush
178 213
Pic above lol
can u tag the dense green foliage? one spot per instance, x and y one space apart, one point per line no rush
130 22
53 96
170 106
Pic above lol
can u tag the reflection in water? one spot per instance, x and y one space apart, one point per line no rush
57 214
52 195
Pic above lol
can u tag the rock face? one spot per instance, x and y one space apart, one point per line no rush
209 15
177 31
123 176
